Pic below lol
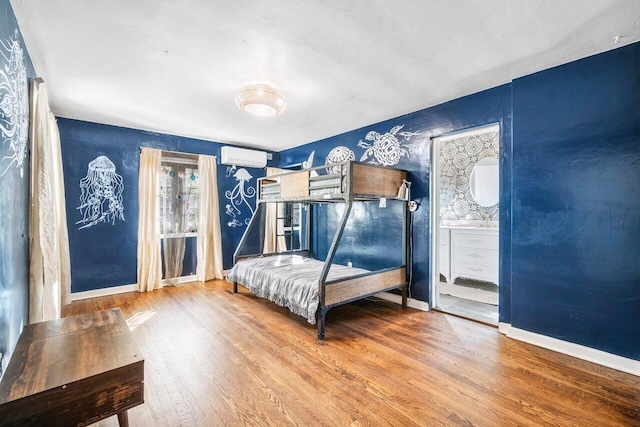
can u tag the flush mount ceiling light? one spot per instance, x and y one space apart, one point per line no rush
261 100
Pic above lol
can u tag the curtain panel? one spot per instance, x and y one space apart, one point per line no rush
49 269
149 252
209 244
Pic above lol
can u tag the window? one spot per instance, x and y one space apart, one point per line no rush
290 217
178 197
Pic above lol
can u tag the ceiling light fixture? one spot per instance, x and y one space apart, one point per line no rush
261 100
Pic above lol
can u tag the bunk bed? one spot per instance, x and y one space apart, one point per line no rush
292 276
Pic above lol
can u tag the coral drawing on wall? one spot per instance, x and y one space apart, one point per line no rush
337 155
14 104
386 149
100 194
239 197
308 164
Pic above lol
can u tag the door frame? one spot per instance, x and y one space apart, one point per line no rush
434 217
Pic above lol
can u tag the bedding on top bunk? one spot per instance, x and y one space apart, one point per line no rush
288 280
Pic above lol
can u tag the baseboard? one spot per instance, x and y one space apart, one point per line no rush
589 354
182 280
413 303
504 328
75 296
114 290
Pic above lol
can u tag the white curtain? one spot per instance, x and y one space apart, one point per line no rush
49 270
209 244
274 240
149 253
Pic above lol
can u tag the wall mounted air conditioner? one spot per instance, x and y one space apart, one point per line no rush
230 155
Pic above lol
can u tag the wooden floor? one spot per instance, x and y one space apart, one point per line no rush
215 358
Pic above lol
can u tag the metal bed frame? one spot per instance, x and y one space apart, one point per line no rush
357 182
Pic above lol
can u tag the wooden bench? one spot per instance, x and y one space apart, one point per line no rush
73 371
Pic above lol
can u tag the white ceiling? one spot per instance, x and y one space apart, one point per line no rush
174 66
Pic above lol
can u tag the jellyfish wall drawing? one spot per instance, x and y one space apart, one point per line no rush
14 104
101 194
239 198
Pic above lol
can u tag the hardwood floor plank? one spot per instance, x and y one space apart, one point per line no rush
217 358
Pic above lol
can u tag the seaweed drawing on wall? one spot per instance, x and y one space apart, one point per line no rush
336 155
308 164
14 103
386 149
101 194
239 197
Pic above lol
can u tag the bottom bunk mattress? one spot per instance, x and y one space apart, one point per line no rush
288 280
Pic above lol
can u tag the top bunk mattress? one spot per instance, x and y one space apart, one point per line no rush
288 280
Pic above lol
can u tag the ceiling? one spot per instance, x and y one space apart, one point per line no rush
175 66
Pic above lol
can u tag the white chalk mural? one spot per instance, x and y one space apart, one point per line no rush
101 194
337 155
14 104
239 197
386 149
308 164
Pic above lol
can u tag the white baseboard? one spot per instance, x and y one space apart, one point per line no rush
114 290
413 303
75 296
589 354
182 280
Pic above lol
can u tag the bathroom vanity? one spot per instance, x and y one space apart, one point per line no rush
469 252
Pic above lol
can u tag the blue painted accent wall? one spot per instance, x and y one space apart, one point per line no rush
105 255
576 202
491 106
14 209
570 195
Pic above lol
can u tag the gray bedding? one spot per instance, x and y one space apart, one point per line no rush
288 280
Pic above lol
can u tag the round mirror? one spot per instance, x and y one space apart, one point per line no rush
484 182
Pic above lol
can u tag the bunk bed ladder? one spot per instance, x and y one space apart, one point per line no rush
322 309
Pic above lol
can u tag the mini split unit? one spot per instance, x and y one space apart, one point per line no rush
242 157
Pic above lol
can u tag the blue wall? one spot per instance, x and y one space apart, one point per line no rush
570 195
576 202
14 189
104 255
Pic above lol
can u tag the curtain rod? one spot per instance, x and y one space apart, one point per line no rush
179 152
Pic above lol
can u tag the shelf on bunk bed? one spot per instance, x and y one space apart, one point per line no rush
356 181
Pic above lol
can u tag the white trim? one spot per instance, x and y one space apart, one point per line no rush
413 303
589 354
181 280
75 296
504 328
478 130
178 235
114 290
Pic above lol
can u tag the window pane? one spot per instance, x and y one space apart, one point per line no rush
178 198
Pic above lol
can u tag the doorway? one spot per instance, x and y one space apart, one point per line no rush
465 224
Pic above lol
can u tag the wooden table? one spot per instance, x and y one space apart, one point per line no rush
73 371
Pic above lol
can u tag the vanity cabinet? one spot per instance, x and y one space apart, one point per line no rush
472 254
445 254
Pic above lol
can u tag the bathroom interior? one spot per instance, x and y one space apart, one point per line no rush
467 282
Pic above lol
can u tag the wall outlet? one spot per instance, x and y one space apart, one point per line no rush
349 264
269 156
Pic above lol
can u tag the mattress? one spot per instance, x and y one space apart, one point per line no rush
288 280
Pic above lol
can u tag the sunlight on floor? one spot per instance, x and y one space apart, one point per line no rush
139 318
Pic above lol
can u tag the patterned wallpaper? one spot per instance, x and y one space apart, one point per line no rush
458 156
